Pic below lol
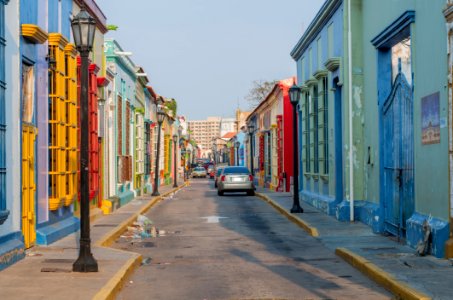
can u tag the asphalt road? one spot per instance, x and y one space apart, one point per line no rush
235 247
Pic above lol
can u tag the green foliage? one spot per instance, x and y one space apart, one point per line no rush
172 106
112 27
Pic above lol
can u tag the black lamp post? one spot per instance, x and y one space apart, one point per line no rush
214 150
251 129
175 180
83 28
237 145
160 120
294 96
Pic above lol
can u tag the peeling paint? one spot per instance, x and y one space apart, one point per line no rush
357 95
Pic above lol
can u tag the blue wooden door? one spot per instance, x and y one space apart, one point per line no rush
398 157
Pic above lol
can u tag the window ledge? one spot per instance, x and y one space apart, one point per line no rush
34 33
325 178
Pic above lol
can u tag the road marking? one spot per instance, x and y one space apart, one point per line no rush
213 219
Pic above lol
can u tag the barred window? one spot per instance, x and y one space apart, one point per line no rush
315 131
306 142
326 125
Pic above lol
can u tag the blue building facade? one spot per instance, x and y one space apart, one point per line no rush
55 217
11 240
319 57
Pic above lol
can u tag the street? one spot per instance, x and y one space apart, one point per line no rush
235 247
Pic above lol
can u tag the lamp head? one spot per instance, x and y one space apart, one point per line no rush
294 94
83 29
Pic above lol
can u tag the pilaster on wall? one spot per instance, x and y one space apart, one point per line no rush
356 96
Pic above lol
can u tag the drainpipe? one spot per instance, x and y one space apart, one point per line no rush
351 162
448 16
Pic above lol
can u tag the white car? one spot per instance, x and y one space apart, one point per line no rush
199 172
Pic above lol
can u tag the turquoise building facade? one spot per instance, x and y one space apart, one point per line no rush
123 101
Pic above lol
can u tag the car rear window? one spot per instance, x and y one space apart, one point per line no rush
200 169
219 171
237 170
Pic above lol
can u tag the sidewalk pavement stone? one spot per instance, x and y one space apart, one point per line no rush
378 256
26 279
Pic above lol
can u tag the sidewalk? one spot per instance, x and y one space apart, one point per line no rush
46 272
391 264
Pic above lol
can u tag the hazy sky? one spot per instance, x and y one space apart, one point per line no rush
207 53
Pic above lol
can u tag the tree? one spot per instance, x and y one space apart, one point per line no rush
172 106
259 91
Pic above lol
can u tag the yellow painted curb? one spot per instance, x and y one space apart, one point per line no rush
303 224
115 284
399 289
109 290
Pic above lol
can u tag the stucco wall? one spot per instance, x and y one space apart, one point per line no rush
13 161
429 65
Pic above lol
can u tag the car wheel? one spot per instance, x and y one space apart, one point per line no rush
220 193
251 193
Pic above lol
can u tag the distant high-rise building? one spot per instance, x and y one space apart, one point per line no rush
204 132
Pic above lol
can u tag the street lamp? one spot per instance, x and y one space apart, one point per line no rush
237 145
83 28
175 180
251 129
160 120
294 96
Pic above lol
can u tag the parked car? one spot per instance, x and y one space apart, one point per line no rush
217 174
199 172
235 179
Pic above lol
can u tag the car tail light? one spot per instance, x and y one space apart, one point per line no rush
250 177
222 178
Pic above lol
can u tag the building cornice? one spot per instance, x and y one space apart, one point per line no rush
304 88
34 33
386 37
57 39
94 10
332 63
321 19
71 49
320 74
311 81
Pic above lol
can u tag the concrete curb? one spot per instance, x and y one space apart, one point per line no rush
301 223
115 284
386 280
